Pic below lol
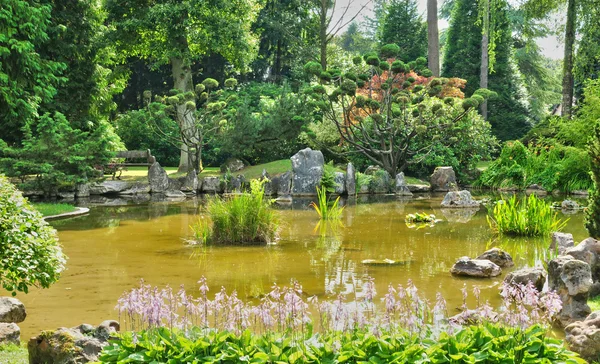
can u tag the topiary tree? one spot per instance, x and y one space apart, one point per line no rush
205 106
592 216
392 112
30 254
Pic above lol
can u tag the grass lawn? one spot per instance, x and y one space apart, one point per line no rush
594 303
51 209
415 181
253 172
141 173
13 354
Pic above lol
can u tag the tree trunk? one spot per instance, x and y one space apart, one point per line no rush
485 61
323 33
433 38
182 79
567 83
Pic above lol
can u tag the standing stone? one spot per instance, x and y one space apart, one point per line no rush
340 183
285 184
480 268
12 310
307 166
498 256
237 183
587 251
571 279
561 242
82 190
460 199
158 179
536 275
189 183
401 186
350 180
10 334
380 182
443 179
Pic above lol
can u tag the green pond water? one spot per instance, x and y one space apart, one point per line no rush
114 247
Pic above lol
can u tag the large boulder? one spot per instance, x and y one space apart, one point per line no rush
233 165
340 183
401 187
189 183
12 310
536 275
459 199
211 185
10 334
307 167
588 251
137 189
284 187
498 256
583 337
350 180
561 242
443 179
480 268
158 178
380 182
109 187
82 190
572 280
81 344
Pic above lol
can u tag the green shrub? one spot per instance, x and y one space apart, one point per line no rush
362 180
325 209
592 215
485 343
30 254
327 182
242 219
530 217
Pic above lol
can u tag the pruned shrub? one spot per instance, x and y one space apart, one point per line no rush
30 255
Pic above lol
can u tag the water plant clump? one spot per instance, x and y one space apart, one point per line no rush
420 217
530 217
243 219
325 209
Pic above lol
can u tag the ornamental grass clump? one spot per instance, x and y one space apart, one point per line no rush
244 219
327 210
529 217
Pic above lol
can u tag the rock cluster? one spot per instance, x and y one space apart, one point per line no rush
81 344
12 311
571 279
489 264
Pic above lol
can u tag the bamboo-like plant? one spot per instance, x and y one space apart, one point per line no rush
530 217
326 210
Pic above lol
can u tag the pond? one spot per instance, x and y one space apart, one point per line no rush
114 247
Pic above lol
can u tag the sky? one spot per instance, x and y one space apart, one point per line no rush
551 46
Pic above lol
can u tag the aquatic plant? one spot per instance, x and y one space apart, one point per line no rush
530 217
241 219
325 209
419 217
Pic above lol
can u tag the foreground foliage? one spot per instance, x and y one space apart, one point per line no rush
176 326
242 219
30 254
13 354
528 217
485 343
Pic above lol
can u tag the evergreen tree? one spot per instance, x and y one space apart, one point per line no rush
587 62
404 26
506 112
354 41
27 79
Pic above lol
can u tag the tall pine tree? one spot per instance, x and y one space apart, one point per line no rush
506 113
404 26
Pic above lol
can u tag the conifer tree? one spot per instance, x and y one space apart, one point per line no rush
506 112
403 26
592 217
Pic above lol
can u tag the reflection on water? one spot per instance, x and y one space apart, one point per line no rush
113 247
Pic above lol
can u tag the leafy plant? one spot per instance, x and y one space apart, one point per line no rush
327 182
420 217
592 215
362 180
241 219
529 217
327 210
30 254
